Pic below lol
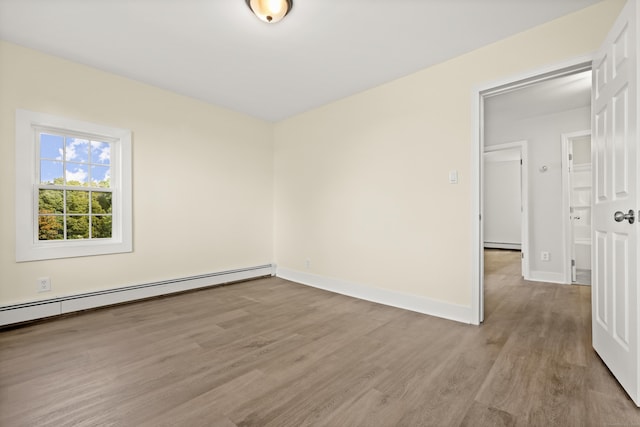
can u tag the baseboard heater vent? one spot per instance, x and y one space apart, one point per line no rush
17 313
502 245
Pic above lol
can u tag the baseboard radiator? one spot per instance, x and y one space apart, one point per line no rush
18 313
503 245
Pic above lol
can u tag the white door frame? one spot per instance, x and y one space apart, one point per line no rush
524 196
478 95
566 203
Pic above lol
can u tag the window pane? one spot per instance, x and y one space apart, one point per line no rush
100 202
77 150
100 152
77 227
50 201
51 146
101 227
51 172
78 202
50 227
100 176
77 174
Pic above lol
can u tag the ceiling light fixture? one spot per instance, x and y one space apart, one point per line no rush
270 11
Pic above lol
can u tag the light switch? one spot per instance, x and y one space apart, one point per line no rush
453 177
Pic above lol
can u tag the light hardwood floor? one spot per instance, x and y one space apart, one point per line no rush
273 353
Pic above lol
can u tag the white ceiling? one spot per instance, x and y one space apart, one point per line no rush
217 51
546 97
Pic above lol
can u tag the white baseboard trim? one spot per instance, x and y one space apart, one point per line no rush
546 276
17 313
498 245
410 302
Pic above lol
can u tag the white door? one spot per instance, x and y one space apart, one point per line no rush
615 296
502 199
516 151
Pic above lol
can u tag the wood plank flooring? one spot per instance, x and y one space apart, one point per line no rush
273 353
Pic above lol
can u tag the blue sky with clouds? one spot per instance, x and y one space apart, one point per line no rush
82 160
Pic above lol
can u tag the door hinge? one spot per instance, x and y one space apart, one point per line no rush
522 255
570 156
573 263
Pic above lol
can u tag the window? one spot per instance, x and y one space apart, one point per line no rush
73 188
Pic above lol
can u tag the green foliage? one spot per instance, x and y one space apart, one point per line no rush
101 226
100 202
104 184
83 210
77 227
77 202
50 227
51 201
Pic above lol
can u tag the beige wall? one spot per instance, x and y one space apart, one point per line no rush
361 187
202 178
362 184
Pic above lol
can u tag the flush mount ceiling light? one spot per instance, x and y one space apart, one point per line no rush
270 11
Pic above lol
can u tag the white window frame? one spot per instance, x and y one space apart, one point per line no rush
28 247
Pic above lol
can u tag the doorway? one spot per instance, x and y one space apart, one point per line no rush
543 93
577 193
506 219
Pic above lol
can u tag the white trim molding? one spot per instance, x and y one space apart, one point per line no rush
501 245
28 245
24 312
478 93
401 300
546 276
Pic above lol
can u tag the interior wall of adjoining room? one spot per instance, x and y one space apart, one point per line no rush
545 180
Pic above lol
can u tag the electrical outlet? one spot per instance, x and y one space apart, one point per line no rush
43 284
544 256
307 263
